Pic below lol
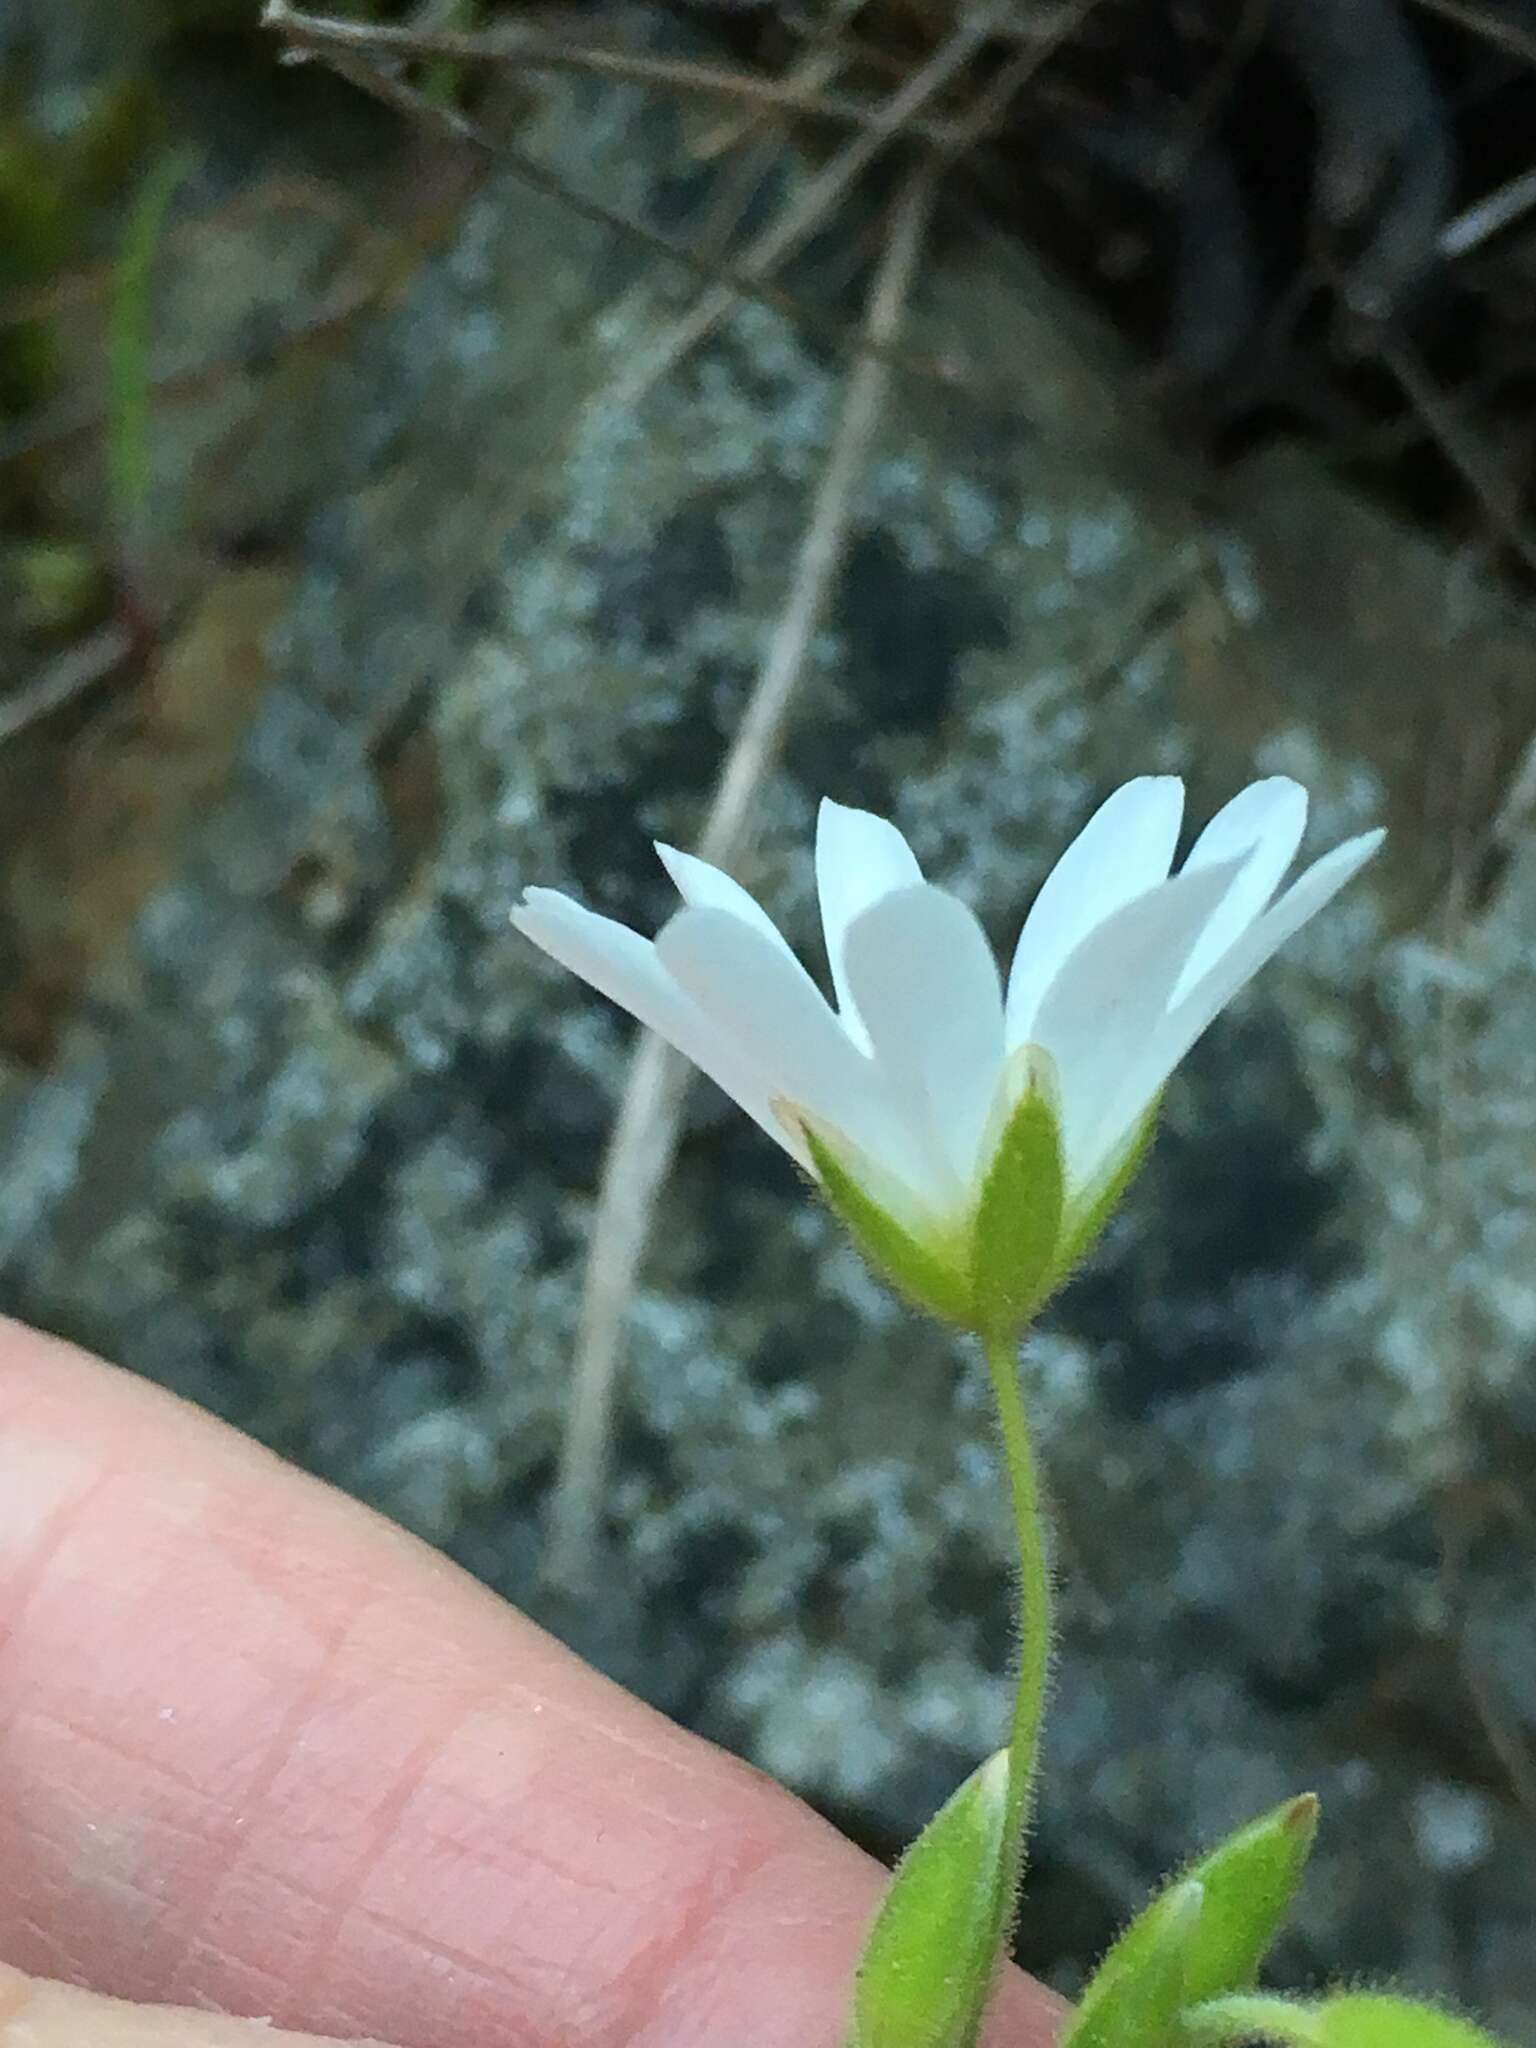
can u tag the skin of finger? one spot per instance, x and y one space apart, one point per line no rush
37 2014
262 1752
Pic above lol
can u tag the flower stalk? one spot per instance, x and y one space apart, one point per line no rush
1035 1623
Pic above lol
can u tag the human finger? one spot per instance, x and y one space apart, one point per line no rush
35 2013
263 1752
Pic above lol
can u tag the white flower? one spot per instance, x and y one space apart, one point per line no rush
911 1079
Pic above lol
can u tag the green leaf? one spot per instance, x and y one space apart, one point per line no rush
1247 1885
1016 1243
1229 2022
928 1965
1250 1881
1366 2019
1349 2019
1134 2000
927 1278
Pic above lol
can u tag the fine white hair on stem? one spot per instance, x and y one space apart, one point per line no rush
645 1133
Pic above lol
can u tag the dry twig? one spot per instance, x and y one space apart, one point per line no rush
1462 1511
535 49
750 137
816 200
385 84
1492 27
67 676
645 1134
1516 812
1488 216
821 61
1498 503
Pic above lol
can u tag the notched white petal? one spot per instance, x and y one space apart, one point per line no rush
926 985
1125 849
1190 1014
1312 890
625 967
1110 1000
711 888
1262 827
767 1004
859 859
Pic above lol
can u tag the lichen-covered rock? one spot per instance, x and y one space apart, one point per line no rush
326 1160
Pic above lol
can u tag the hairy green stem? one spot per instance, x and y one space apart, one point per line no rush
1034 1618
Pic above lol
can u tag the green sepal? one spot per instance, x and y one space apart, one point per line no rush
1349 2019
929 1280
1016 1238
1085 1224
1135 1998
1248 1883
992 1272
927 1969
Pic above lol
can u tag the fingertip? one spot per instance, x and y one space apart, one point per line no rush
37 2012
266 1753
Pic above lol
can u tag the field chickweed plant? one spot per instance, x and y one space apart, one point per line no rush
974 1134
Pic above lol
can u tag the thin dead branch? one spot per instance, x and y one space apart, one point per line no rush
1515 814
1488 216
66 677
1497 502
1203 110
750 137
821 194
982 120
1461 1511
1493 28
645 1134
533 49
819 64
391 90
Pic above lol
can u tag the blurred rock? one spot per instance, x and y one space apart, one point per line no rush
324 1159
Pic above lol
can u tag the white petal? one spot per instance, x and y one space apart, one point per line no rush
1307 895
1262 825
1125 849
769 1008
927 987
859 859
625 967
1110 1000
710 888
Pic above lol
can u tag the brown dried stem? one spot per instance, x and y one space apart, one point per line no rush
821 194
384 83
645 1133
537 49
1498 501
1492 27
67 676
